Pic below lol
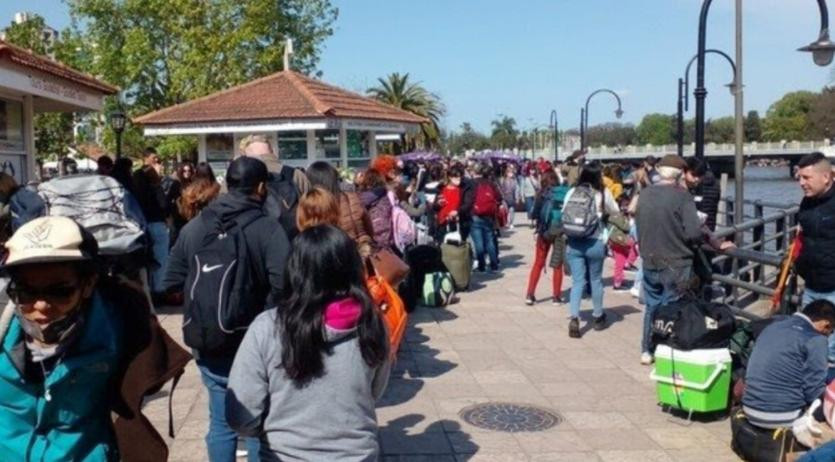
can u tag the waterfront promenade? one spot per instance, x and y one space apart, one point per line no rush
491 347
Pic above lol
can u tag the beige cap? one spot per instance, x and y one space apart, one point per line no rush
49 239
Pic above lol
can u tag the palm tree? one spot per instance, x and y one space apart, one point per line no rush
396 90
504 134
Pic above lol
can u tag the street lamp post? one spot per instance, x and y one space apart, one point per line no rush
582 128
554 125
822 52
117 123
683 94
585 116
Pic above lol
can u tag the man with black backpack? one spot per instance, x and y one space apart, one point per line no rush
230 262
285 185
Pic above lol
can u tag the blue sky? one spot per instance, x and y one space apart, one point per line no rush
526 57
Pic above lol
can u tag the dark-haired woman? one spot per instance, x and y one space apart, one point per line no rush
353 218
588 253
307 375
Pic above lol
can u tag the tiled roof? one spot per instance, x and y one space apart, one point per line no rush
283 95
26 58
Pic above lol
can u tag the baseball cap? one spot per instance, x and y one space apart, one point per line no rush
672 160
49 240
245 173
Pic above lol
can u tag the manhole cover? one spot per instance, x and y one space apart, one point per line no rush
511 418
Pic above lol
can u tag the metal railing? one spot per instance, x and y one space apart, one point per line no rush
751 271
771 148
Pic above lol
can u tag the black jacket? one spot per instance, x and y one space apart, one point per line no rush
150 197
465 210
816 263
265 239
707 196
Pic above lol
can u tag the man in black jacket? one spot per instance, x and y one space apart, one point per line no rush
147 184
705 189
267 249
816 263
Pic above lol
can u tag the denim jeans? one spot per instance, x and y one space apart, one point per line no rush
158 232
485 242
529 201
809 296
659 287
221 441
584 254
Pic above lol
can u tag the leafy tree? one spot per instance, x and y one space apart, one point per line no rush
720 130
398 91
504 134
164 52
788 118
822 115
466 139
610 134
658 129
753 127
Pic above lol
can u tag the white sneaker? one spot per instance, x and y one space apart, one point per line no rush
646 359
635 291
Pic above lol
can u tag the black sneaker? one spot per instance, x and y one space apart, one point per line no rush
574 328
530 300
557 300
600 323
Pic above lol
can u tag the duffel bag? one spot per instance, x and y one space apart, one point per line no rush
690 324
458 260
438 289
752 443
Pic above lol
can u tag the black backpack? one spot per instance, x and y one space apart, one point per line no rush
283 200
691 323
224 293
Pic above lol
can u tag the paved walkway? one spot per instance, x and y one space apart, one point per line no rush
492 347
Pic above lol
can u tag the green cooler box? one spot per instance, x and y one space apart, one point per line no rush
693 381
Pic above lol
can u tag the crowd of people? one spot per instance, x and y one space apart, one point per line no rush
272 263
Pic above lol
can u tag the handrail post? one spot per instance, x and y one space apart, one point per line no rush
758 236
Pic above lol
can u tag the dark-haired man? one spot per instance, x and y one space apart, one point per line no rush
705 189
816 263
787 369
255 272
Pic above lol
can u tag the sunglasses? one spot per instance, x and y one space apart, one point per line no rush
54 295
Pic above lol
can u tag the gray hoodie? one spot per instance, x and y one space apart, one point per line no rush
332 418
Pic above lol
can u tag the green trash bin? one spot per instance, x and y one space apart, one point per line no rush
693 381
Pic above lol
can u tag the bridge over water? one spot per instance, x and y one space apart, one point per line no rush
720 156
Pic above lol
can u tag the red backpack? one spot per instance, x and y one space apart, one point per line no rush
486 200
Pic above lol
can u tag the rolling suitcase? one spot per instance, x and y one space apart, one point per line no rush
458 260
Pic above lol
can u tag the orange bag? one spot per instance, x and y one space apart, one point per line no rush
393 309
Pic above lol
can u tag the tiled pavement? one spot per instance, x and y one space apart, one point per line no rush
492 347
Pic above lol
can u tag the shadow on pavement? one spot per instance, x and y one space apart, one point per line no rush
441 438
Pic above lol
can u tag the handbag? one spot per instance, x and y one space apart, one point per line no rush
689 324
389 266
392 308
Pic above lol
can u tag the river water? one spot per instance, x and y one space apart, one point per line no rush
770 184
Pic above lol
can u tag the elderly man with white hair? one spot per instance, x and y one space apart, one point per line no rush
668 229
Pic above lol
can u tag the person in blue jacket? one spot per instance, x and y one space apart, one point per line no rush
61 348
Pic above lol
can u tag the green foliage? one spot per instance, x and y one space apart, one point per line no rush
398 91
720 130
504 134
164 52
467 139
753 127
788 118
610 134
656 129
822 115
29 35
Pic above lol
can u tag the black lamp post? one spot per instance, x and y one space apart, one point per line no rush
585 113
684 99
554 125
582 127
117 123
822 52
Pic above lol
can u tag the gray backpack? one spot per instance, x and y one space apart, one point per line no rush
579 217
102 206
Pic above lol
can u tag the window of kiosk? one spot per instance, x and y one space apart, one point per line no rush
219 150
327 146
292 145
358 152
12 146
